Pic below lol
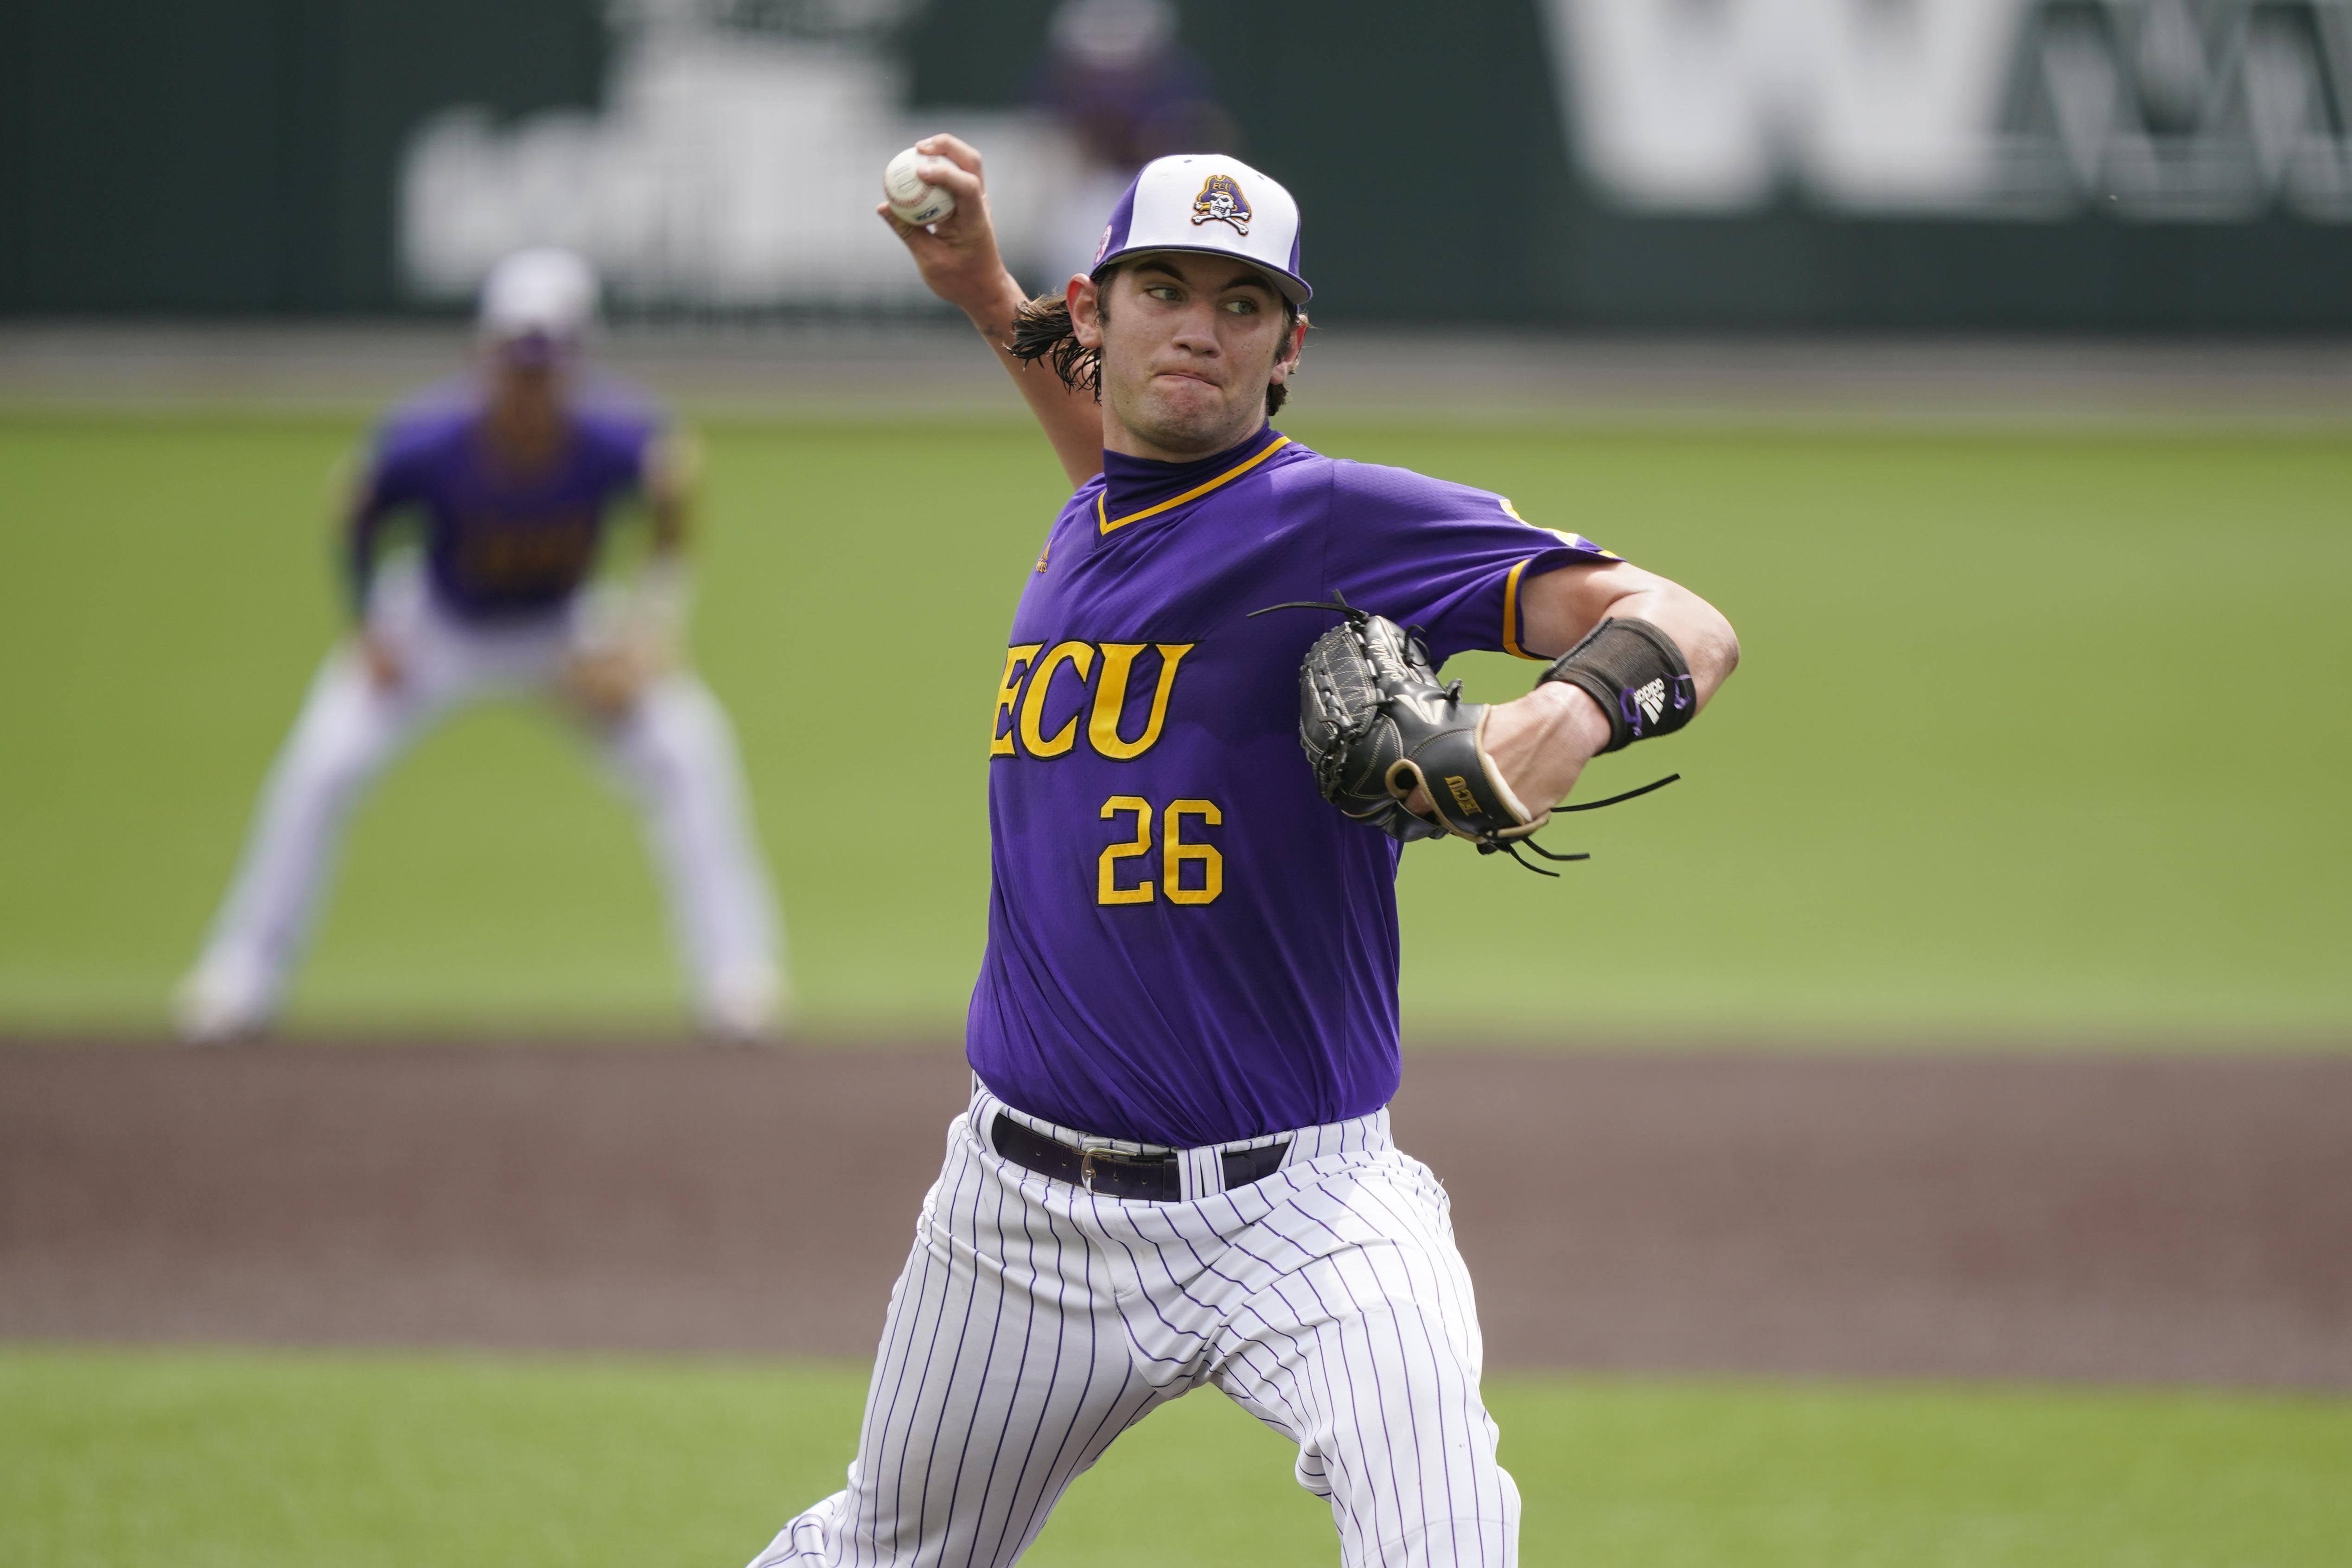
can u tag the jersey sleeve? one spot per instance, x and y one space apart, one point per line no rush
624 428
395 478
400 460
1443 559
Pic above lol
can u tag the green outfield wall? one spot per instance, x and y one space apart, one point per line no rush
242 156
237 157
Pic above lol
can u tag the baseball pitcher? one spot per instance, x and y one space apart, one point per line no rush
512 478
1176 1167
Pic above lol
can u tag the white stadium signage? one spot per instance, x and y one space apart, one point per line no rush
2165 109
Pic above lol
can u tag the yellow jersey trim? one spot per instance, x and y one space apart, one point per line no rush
1105 523
1511 613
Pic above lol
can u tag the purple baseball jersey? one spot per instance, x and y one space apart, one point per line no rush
1186 943
501 545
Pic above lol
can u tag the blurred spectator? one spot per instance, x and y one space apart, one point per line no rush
1114 73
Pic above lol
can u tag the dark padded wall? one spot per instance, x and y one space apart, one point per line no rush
199 156
196 156
1423 143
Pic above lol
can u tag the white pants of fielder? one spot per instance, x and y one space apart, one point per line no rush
672 749
1035 1322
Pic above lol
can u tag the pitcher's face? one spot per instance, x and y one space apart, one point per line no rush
1189 343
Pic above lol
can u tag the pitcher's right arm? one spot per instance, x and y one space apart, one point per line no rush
960 263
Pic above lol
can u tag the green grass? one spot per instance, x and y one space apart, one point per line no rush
214 1459
2036 738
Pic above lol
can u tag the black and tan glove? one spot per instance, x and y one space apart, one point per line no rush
1377 724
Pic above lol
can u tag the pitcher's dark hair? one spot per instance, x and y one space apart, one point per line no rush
1042 330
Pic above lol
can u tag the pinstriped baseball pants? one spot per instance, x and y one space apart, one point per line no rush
1034 1322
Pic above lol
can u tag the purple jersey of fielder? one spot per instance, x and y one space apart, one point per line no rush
1186 943
499 545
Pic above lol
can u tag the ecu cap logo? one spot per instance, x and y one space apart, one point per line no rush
1221 200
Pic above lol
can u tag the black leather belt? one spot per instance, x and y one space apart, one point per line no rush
1156 1178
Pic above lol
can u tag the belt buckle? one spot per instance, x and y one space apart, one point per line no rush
1087 1165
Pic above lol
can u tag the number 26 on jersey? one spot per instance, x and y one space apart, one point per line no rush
1190 872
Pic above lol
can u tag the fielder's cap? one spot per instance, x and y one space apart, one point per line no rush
544 294
1216 205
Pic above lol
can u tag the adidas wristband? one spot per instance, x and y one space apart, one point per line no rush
1637 674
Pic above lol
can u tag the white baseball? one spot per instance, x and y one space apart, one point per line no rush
912 198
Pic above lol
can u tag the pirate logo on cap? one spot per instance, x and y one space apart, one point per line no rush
1221 200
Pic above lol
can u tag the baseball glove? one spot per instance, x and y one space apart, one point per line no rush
1377 724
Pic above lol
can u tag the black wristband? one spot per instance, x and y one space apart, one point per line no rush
1637 674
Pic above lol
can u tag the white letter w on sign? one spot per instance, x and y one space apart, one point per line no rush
1710 105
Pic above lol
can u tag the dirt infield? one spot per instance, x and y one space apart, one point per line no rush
2113 1218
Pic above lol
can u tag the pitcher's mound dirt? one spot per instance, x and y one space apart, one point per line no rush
2096 1218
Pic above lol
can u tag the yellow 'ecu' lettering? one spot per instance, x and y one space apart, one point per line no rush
1111 697
1460 788
1080 656
1027 688
1008 692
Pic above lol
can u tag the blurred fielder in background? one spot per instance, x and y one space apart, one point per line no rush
513 477
1117 77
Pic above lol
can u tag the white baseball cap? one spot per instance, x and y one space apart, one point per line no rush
539 293
1216 205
